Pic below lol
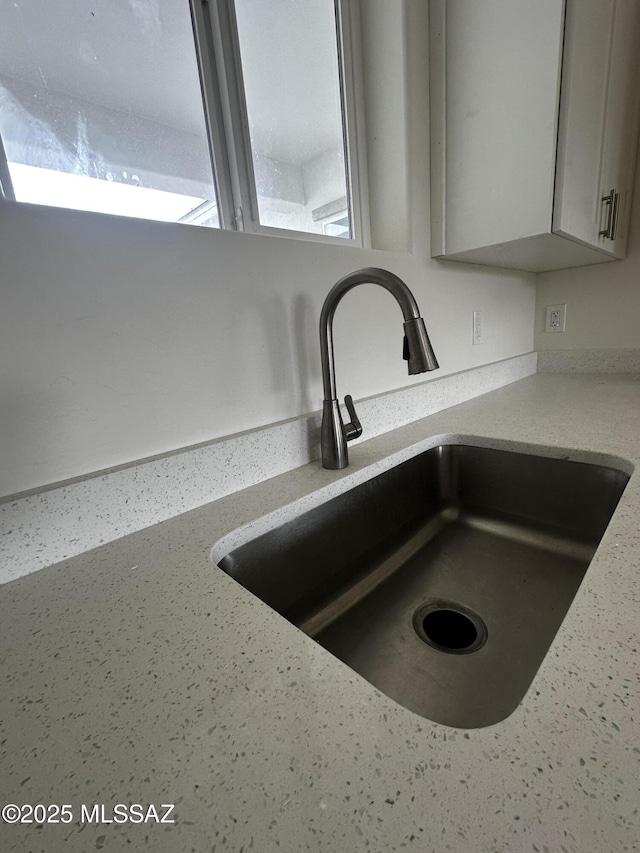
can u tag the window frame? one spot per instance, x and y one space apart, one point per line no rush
218 51
6 184
218 57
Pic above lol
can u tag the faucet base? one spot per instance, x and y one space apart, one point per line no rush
332 439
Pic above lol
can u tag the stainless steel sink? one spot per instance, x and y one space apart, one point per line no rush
444 580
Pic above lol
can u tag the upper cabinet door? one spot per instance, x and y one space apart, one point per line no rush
501 63
598 123
583 109
620 127
534 126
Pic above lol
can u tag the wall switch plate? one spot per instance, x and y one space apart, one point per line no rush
478 328
555 319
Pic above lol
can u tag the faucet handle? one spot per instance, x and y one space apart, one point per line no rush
353 429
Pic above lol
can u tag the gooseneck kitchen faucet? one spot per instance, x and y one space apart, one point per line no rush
417 351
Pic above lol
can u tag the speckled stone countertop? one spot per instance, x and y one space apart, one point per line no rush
140 673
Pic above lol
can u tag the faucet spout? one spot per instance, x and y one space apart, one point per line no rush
417 351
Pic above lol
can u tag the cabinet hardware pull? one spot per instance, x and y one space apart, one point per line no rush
610 200
614 218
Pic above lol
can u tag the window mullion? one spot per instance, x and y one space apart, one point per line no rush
350 58
6 185
214 111
232 115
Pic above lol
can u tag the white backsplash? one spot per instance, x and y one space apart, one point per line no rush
44 528
589 361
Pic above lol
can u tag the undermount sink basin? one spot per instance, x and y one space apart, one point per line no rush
444 580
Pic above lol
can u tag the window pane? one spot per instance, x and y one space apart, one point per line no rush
289 57
101 109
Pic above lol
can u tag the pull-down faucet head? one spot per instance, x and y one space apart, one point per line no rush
417 351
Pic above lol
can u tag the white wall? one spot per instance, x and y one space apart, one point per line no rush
603 301
120 339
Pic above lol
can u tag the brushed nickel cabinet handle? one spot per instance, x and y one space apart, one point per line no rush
610 201
614 217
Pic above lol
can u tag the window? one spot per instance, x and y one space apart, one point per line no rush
228 113
100 108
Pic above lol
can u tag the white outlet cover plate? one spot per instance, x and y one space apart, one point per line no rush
478 328
555 318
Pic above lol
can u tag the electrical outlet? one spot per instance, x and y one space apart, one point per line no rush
478 328
555 318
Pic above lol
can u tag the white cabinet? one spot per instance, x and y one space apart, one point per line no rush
534 126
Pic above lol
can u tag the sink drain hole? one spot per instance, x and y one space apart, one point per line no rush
450 628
